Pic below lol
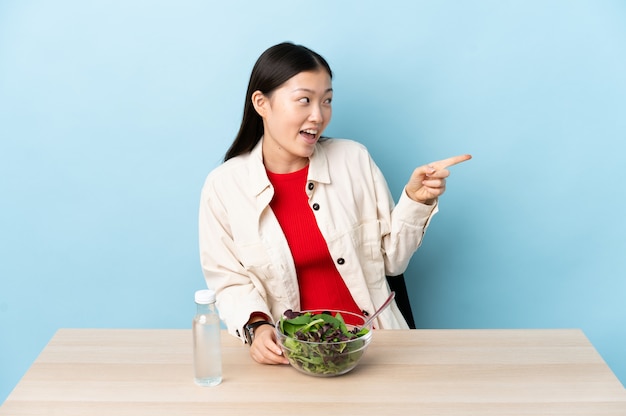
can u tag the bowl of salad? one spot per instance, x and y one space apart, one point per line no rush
321 343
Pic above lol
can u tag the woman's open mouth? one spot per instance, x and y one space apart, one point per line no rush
310 135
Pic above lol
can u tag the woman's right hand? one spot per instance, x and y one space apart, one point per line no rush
264 349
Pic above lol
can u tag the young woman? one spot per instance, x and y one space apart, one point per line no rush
294 220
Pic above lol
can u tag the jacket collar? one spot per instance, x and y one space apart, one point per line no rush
259 182
318 164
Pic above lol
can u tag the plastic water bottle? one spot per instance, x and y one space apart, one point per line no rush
207 354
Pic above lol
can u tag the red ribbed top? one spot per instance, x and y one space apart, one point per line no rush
321 285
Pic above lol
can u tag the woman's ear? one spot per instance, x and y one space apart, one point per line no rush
260 102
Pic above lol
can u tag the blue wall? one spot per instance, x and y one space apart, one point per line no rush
113 112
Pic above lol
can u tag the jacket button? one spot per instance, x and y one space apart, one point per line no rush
316 206
340 261
311 186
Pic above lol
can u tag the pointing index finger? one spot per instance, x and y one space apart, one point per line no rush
451 161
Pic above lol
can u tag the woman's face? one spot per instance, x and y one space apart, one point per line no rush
294 117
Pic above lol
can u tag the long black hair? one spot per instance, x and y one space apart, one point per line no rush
273 68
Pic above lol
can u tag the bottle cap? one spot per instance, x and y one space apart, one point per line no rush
205 296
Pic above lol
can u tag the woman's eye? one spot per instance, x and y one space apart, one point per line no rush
304 100
328 101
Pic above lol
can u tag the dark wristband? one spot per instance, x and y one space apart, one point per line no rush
248 330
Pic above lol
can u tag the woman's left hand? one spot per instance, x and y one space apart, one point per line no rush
428 182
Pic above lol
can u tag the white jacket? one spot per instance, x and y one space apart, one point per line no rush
244 254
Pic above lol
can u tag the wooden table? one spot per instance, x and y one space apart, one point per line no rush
415 372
